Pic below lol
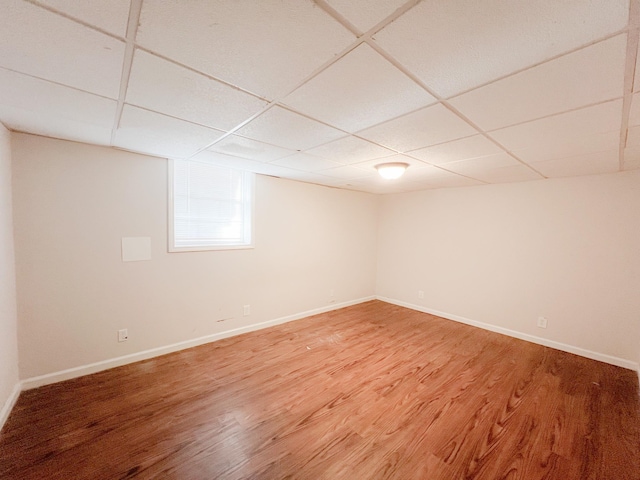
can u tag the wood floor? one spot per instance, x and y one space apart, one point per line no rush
368 392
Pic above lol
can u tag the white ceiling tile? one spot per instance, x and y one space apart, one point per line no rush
264 47
633 136
306 162
54 126
46 45
634 114
224 160
348 150
450 181
590 75
456 45
313 177
365 14
359 90
428 126
470 147
167 88
631 158
559 129
287 129
591 164
512 173
250 149
426 173
41 98
348 172
480 164
636 80
569 145
111 16
148 132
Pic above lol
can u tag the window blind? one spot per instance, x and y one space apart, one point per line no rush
211 205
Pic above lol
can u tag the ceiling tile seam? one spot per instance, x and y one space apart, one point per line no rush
352 46
447 105
168 115
279 101
53 82
232 131
551 115
458 174
400 11
397 13
333 13
199 72
542 62
629 75
408 154
79 21
135 8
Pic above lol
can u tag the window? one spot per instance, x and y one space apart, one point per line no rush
210 207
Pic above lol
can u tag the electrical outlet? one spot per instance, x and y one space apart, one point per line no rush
332 296
123 335
247 310
420 294
542 322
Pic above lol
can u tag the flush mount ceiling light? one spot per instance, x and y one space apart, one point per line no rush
391 170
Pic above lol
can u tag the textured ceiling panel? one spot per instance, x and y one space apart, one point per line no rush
456 45
306 162
429 126
592 164
266 47
145 131
365 14
358 91
48 46
284 128
41 98
167 88
470 147
557 130
557 86
250 149
494 91
350 150
110 16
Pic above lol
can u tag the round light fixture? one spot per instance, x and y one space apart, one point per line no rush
391 170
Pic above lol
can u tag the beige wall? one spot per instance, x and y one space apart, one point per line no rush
565 249
74 202
8 318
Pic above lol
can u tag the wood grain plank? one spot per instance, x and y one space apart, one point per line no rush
370 391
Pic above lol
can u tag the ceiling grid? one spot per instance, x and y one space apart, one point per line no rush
466 93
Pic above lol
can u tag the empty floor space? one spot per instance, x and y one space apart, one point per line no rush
369 391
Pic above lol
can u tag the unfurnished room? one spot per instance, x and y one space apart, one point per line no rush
320 239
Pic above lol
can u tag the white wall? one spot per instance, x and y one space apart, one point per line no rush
8 318
566 249
74 202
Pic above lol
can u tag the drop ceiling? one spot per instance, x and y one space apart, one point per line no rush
467 92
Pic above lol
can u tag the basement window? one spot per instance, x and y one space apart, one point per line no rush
210 207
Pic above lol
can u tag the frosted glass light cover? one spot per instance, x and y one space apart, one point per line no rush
391 170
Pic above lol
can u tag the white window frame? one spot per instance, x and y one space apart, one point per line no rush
250 185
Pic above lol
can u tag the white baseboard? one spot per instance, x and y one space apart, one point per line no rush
67 374
620 362
9 404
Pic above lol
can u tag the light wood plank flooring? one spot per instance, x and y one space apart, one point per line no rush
368 392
